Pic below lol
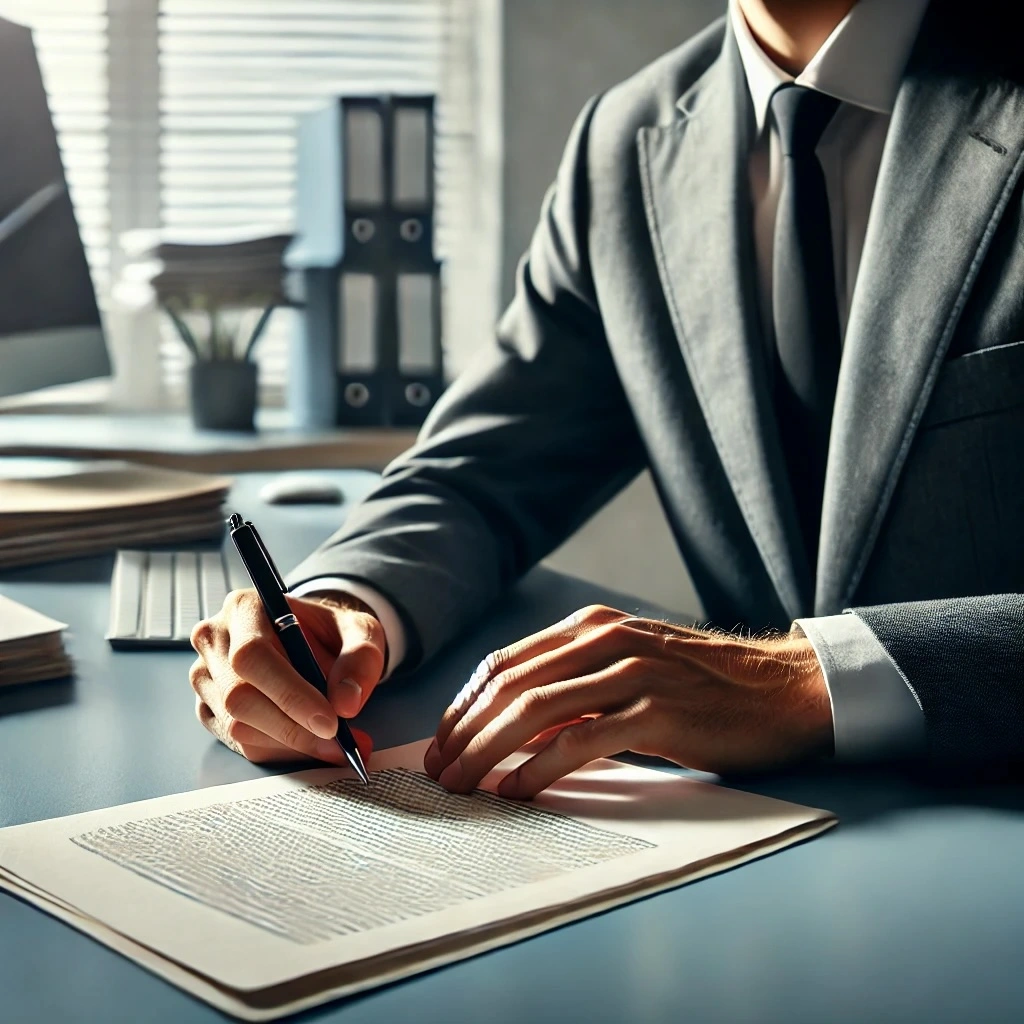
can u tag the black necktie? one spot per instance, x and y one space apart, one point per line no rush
804 309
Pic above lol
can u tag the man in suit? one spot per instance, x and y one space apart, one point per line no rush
782 267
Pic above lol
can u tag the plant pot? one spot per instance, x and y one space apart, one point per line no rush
223 394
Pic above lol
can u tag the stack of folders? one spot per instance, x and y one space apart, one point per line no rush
55 509
372 343
225 266
31 648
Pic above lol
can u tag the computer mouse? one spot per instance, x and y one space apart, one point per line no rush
292 489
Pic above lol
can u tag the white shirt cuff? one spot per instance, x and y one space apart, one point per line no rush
875 712
394 631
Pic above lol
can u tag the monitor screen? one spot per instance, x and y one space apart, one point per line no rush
50 331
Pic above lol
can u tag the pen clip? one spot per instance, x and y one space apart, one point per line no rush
266 554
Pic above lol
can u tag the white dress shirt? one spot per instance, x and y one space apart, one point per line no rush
874 711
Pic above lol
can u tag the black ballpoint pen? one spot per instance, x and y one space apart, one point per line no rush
271 589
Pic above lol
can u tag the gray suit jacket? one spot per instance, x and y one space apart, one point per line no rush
633 340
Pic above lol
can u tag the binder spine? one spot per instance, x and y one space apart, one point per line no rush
365 158
419 381
383 292
412 181
360 335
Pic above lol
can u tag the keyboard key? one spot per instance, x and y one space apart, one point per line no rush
213 583
157 604
125 593
186 593
158 596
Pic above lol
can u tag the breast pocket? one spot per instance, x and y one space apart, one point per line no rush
955 526
990 380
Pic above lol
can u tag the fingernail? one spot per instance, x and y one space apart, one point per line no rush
321 725
432 760
351 696
451 777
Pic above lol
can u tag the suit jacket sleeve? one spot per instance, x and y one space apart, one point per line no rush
964 659
530 441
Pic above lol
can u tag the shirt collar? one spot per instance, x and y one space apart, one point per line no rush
861 62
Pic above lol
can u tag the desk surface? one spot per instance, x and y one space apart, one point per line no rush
909 911
169 439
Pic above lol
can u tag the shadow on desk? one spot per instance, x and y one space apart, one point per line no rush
36 696
867 794
91 569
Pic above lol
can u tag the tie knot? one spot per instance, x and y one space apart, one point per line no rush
801 115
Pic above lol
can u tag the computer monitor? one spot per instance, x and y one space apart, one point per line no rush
50 330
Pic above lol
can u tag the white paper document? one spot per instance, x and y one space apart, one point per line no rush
270 896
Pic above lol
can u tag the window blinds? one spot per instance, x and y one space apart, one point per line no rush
229 79
234 76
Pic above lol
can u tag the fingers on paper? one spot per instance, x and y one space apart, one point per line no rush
504 672
569 750
533 712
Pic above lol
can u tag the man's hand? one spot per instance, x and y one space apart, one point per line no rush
252 700
603 682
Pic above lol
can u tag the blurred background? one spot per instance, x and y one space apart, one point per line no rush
180 114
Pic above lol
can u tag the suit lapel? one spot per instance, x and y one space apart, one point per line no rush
697 201
953 155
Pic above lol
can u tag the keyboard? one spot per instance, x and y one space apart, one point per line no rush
156 597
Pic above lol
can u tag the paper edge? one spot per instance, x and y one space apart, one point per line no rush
204 989
52 626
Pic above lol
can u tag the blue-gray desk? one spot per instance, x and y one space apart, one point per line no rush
168 439
911 910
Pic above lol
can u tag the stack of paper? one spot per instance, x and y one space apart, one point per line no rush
221 266
69 509
30 645
271 896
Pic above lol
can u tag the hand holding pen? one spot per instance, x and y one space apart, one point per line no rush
252 699
271 589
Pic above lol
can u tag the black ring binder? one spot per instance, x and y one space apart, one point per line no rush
370 350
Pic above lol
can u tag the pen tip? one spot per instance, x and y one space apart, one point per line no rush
356 760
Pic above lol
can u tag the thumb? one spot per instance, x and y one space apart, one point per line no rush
359 665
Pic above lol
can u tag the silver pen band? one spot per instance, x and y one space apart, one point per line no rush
286 620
